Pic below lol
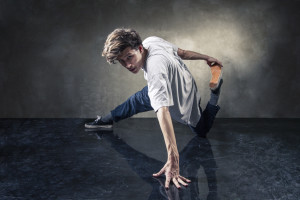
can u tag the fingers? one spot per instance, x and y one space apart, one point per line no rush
211 63
160 172
181 181
167 183
184 179
172 174
176 183
219 62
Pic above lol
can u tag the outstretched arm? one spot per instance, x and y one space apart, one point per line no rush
171 168
191 55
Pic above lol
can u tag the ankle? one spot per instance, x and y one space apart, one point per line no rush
107 118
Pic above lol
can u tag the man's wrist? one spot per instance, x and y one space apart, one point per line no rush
173 156
206 57
172 151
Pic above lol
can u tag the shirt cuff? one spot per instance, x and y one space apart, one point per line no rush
162 104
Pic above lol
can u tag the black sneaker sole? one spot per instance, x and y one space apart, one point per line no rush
99 127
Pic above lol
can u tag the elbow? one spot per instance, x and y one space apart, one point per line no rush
163 111
181 53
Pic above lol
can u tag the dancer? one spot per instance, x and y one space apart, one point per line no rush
171 90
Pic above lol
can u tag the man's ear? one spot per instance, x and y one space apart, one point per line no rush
141 48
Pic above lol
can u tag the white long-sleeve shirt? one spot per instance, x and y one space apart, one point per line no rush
169 82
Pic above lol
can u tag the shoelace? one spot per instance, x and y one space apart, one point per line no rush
98 118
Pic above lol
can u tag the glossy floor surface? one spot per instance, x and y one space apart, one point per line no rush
59 159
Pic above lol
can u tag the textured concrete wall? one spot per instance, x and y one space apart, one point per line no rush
51 64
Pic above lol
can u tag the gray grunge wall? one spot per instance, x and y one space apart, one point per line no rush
51 64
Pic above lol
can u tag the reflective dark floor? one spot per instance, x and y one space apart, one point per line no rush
59 159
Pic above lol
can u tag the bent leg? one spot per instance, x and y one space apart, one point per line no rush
206 121
139 102
209 114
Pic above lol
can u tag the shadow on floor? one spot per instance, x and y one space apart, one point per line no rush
196 153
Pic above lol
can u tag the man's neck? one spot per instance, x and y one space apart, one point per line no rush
145 55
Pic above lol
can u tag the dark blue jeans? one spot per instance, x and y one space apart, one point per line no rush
140 102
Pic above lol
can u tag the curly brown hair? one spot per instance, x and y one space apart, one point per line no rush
117 41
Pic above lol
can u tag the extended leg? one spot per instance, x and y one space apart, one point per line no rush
139 102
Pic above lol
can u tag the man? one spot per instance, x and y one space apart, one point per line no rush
171 90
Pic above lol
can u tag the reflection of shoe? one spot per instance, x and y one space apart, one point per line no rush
99 124
216 75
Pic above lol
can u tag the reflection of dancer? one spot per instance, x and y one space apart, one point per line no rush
171 90
197 153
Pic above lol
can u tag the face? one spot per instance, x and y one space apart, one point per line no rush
132 59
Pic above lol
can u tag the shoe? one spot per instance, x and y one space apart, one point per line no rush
216 75
99 124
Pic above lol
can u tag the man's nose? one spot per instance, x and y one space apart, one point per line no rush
128 65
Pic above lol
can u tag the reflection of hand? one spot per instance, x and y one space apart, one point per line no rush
171 170
172 193
212 61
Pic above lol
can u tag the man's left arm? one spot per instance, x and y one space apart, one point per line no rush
171 168
191 55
